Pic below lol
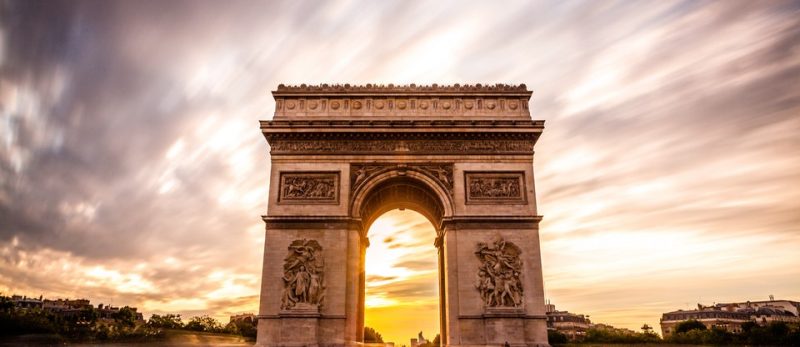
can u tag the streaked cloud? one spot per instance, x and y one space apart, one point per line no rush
402 276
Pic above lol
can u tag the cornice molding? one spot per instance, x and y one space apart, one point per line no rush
446 125
433 89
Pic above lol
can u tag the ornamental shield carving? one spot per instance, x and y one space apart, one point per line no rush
499 274
303 276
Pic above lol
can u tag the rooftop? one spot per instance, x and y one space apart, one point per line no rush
402 89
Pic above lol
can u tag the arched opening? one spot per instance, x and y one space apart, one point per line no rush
402 283
394 194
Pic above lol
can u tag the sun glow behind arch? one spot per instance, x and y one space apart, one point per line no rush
401 277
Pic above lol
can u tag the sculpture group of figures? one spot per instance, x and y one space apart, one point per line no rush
505 187
499 274
303 275
309 187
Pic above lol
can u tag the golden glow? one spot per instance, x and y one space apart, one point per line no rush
402 277
669 172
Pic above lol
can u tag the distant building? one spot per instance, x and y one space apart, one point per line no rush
108 312
570 324
244 317
68 307
763 312
574 325
731 316
24 302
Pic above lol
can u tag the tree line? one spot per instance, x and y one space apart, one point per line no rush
693 332
87 324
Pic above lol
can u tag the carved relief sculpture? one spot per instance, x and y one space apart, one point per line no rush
442 173
360 172
306 187
495 187
499 274
303 276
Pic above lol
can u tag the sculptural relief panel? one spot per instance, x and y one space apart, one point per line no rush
504 187
499 282
303 276
309 188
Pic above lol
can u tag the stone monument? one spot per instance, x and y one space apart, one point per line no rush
460 155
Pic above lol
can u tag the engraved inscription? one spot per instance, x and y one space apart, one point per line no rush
499 280
494 187
303 276
309 187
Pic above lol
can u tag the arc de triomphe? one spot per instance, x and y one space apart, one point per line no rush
462 156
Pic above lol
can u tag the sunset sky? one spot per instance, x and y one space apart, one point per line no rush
133 171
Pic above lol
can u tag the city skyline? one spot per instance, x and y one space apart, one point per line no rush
133 172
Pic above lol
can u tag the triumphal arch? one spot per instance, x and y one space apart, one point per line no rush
460 155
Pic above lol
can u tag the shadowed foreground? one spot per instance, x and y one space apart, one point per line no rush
173 338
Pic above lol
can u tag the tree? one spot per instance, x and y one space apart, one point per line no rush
372 336
167 321
774 333
125 316
241 327
437 341
689 325
556 337
718 337
6 305
204 323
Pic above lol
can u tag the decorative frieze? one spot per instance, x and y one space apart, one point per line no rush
499 281
501 187
309 188
409 100
441 173
401 107
303 276
402 147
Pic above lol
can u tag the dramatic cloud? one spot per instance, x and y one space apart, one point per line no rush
132 170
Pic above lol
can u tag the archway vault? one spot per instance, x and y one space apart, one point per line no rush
398 186
461 156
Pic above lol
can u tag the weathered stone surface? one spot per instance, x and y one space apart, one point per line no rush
343 155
